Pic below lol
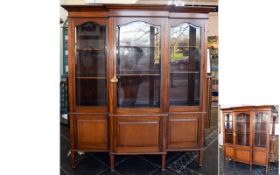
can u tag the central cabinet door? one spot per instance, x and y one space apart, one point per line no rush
137 79
243 137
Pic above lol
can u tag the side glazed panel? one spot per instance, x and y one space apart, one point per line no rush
183 131
185 57
228 128
260 129
137 134
91 132
90 64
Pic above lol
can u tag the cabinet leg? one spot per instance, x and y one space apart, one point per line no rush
112 163
163 162
201 157
72 159
266 169
250 167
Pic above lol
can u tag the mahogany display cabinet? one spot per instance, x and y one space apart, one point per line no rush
137 79
246 134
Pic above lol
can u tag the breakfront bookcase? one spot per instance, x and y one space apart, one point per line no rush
246 133
137 79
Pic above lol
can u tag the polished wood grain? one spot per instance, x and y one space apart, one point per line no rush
178 124
242 155
135 7
92 132
260 156
229 151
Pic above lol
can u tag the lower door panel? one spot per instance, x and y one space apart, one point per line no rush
243 155
91 132
183 131
137 134
260 156
229 151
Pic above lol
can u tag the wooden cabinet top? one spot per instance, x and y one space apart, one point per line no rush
248 108
161 10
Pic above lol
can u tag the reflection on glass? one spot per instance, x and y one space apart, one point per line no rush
91 64
184 65
243 129
228 128
91 92
138 65
260 129
90 50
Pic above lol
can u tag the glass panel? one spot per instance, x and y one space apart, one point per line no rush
243 129
138 65
228 128
91 64
90 50
91 92
185 65
260 129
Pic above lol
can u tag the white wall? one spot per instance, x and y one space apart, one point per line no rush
213 24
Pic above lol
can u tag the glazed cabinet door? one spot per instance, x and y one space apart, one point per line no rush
261 137
138 63
186 44
89 65
88 83
243 136
137 84
185 64
228 135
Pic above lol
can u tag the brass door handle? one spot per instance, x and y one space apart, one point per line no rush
114 79
234 134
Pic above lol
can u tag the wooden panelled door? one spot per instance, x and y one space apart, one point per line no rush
243 137
228 126
136 83
186 42
88 80
261 138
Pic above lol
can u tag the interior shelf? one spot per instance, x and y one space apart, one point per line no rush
90 49
138 75
186 47
93 78
185 72
140 46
